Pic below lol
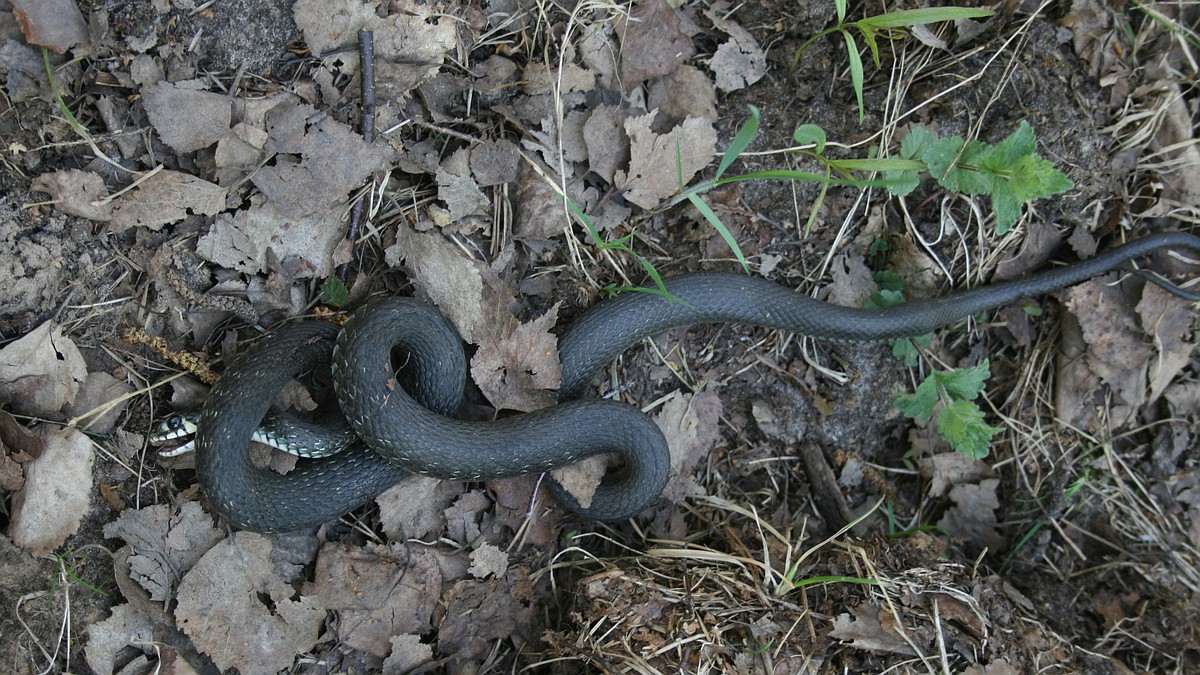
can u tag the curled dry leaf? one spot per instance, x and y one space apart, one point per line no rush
739 62
660 163
125 627
164 546
57 492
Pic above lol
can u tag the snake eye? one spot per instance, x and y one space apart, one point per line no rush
174 422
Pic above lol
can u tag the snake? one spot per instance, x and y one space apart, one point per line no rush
403 423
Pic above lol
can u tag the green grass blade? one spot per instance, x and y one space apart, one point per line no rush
706 211
740 141
856 72
813 581
914 17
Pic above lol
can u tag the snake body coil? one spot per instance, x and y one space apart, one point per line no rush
405 426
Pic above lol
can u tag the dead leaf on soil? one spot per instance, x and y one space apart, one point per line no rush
236 609
57 492
658 163
377 593
185 117
77 193
1165 318
488 561
102 398
872 629
973 516
164 546
318 160
947 469
41 372
462 196
164 198
413 508
521 371
655 40
126 626
408 652
685 93
691 423
739 62
247 239
57 25
480 612
1116 351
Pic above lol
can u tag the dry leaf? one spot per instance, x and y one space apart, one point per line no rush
187 119
973 517
947 469
412 508
377 593
1168 320
125 627
408 652
57 25
164 546
480 612
76 192
653 42
1116 351
521 371
658 164
164 198
871 629
607 144
102 395
246 240
685 93
691 424
57 492
41 372
488 561
739 62
238 611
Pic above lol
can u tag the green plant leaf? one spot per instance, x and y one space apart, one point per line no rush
810 133
1006 205
335 292
856 72
740 141
840 6
965 383
914 17
971 172
919 405
706 211
939 156
916 142
888 281
961 424
1018 144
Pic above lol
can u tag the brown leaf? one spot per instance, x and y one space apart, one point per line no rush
76 192
973 517
481 612
187 119
57 492
164 545
413 508
653 42
238 611
57 25
1168 320
871 629
164 198
126 626
377 593
247 239
41 372
658 163
691 424
1116 351
521 371
738 62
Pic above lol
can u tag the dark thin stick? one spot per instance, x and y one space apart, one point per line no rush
366 56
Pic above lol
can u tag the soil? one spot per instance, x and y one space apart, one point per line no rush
1071 548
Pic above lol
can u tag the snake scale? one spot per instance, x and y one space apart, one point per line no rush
404 421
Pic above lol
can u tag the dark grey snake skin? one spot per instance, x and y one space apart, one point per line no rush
403 433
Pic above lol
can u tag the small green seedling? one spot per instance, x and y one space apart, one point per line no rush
959 419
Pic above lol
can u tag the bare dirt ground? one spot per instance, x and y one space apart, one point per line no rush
184 182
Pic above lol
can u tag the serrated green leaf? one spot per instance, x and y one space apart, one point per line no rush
740 141
906 352
856 72
810 133
1036 178
1018 144
916 142
919 405
335 292
905 182
884 298
939 157
1006 206
961 424
889 281
965 383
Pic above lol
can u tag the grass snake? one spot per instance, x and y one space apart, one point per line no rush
404 420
